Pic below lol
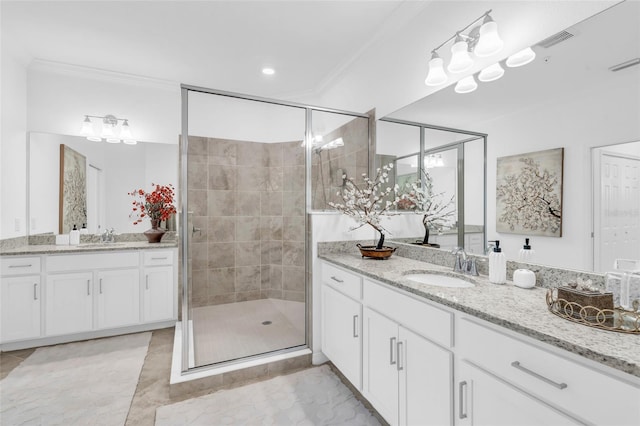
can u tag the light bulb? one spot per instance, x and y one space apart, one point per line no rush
490 42
87 127
521 58
491 73
460 59
466 85
436 75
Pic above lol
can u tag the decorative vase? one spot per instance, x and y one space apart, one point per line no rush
376 253
154 235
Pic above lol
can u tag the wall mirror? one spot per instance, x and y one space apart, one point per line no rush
111 171
447 163
581 92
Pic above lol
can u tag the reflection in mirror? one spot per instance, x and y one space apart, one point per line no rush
432 163
573 97
112 170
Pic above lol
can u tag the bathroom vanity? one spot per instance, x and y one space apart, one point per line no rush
487 354
55 294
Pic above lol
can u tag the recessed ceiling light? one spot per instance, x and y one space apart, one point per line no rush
268 71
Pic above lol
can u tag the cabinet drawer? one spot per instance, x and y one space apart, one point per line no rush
585 393
157 257
433 323
346 282
84 262
20 265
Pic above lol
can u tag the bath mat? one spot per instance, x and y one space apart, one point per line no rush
82 383
315 396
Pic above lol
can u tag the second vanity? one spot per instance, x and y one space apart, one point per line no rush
490 354
56 294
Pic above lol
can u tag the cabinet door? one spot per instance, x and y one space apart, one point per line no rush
157 294
380 364
486 400
426 378
20 308
69 302
118 298
341 341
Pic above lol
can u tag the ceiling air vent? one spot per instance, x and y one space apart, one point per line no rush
555 39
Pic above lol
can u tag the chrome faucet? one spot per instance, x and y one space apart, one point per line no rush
108 236
462 264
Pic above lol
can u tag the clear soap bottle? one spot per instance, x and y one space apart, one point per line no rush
497 265
526 252
74 236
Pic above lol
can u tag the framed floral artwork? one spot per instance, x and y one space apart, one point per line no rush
529 193
73 189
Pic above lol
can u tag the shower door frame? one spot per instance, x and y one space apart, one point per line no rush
184 217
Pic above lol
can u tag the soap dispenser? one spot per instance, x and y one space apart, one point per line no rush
84 230
497 265
526 253
74 236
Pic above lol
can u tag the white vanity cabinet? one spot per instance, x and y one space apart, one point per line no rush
20 298
158 289
407 376
543 386
341 321
69 303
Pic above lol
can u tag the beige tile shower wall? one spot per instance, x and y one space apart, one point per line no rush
328 166
248 201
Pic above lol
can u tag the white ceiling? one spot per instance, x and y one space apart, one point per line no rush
572 66
221 44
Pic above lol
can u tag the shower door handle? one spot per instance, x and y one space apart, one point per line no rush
194 230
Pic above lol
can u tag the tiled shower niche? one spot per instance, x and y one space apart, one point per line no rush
248 209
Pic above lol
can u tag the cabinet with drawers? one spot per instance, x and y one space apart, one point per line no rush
20 298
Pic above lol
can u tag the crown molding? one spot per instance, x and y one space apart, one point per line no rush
99 74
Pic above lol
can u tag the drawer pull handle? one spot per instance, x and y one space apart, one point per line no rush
146 279
35 291
159 258
399 357
355 326
88 285
462 400
100 285
517 365
392 343
21 266
338 280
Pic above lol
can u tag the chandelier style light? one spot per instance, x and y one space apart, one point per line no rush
482 41
108 131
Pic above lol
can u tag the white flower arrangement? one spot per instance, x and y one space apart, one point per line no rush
436 211
367 205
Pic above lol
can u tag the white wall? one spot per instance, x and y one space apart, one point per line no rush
59 96
577 125
13 151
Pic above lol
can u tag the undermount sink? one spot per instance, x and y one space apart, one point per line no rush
439 280
101 245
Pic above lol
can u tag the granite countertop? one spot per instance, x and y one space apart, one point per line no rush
33 249
521 310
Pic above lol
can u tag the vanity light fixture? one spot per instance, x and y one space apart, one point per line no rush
268 71
433 160
483 41
109 131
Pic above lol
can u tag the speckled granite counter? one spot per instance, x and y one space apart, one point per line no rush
82 248
521 310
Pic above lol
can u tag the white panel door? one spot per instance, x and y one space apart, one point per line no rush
380 364
20 308
341 337
619 207
118 297
69 303
426 376
484 400
157 294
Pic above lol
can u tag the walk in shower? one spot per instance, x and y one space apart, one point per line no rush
246 190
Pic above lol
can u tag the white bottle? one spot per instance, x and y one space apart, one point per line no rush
84 230
526 253
497 265
74 236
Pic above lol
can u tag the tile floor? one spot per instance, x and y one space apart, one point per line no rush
152 391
